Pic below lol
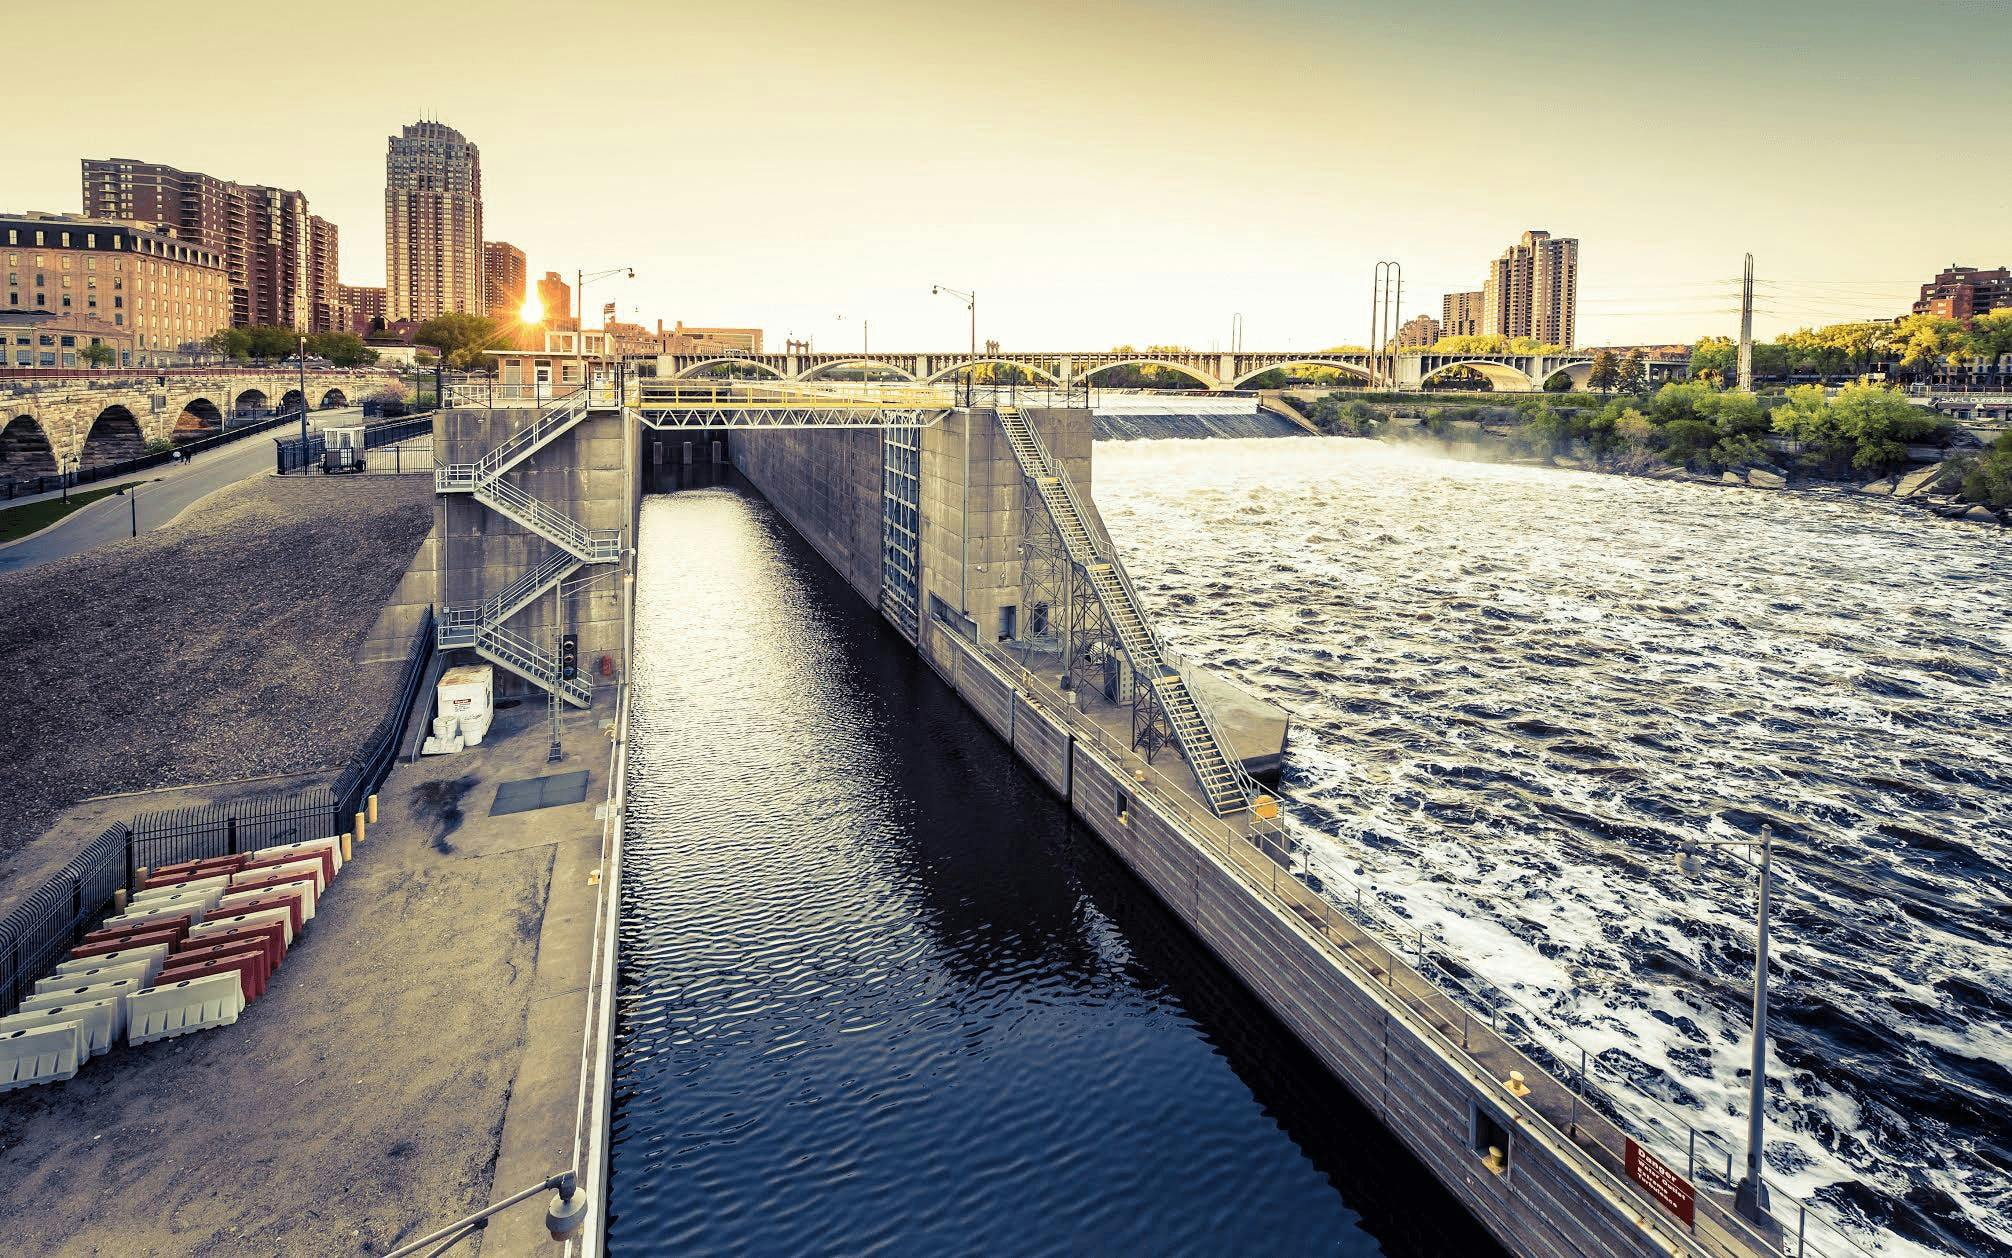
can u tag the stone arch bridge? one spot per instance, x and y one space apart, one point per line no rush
94 422
1507 373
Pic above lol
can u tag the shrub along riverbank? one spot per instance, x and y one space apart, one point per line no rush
1863 433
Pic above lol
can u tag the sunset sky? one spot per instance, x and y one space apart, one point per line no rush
1107 173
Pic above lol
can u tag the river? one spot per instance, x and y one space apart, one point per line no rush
1518 689
878 994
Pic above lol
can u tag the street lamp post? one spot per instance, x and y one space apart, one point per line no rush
1750 1196
580 281
970 301
303 405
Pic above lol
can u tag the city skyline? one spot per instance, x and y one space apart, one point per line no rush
1199 192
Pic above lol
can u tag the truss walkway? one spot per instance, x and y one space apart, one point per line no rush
754 404
481 626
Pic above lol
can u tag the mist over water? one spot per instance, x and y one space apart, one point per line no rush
1517 689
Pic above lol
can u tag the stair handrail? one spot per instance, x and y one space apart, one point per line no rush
529 660
553 417
1093 527
601 545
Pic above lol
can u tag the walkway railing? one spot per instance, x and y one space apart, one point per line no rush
1489 1032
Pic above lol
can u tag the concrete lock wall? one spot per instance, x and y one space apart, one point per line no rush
1537 1206
481 551
827 485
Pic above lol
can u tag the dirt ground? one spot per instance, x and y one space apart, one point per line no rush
362 1101
220 647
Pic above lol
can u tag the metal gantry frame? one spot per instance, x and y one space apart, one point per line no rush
901 527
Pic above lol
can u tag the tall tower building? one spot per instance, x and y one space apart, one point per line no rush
556 295
432 224
1460 314
1533 290
503 278
280 258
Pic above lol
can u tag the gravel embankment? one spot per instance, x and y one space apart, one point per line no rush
220 647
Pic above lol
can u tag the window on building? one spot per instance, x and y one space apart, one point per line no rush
41 299
69 342
41 280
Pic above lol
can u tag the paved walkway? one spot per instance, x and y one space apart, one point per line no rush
415 1056
170 490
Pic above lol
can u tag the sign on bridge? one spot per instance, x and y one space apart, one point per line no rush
1672 1190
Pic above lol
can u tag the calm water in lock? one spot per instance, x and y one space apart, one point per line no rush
879 995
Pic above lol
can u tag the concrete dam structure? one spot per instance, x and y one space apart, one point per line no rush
972 530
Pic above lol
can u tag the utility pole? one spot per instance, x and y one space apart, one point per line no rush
1747 328
1386 294
303 405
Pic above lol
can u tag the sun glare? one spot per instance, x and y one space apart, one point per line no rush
532 311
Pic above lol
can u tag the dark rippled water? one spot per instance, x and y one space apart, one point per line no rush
878 995
1517 689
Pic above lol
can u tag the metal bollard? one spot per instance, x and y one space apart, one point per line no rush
346 837
119 901
372 809
360 832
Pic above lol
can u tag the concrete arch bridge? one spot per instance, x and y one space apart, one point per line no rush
1507 373
96 422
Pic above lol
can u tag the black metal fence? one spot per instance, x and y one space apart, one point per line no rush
49 921
46 924
289 450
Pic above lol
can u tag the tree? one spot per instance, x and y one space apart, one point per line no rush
1606 372
461 338
231 343
1865 426
344 349
1631 375
1715 359
98 355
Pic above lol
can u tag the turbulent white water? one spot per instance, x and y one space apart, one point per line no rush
1516 689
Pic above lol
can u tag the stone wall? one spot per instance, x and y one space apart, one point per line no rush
827 485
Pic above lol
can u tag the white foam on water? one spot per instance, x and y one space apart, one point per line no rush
1517 689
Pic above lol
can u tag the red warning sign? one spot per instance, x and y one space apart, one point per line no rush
1664 1184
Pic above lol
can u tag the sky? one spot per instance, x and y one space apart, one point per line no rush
1106 173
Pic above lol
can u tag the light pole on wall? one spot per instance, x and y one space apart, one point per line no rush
580 281
1750 1196
303 405
970 301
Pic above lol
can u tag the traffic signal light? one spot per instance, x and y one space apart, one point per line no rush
569 656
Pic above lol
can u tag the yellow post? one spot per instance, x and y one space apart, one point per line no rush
346 837
119 900
359 828
373 810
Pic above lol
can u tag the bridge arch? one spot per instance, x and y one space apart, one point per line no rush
954 370
199 415
1360 373
1207 381
250 402
25 449
858 364
115 435
291 401
1578 373
695 370
1501 376
334 398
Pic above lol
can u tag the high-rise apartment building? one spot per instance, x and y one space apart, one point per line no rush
432 224
1418 332
556 296
1460 314
281 258
141 281
1963 292
1533 290
503 279
361 305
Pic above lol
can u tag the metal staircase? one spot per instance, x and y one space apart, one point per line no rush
1228 788
480 626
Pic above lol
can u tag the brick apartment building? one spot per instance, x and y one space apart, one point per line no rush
1964 292
432 224
1533 290
503 279
167 294
1418 332
1460 314
281 259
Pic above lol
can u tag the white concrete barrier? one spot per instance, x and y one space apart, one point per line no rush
306 867
306 847
44 1054
303 888
151 894
163 899
95 1020
154 955
218 925
115 990
191 1004
142 971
